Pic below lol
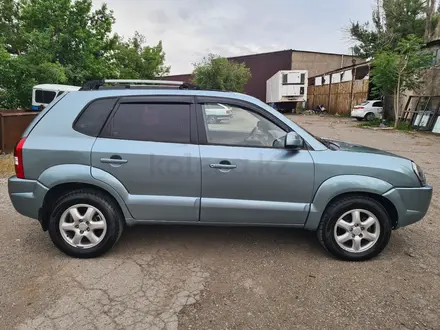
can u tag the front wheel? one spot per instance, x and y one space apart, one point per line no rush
355 228
85 224
212 120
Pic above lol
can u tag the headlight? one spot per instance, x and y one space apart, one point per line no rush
419 172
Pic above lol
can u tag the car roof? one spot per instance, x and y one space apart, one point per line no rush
57 87
165 91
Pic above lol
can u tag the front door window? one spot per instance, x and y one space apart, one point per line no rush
236 126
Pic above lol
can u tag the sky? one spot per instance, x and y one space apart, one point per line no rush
191 29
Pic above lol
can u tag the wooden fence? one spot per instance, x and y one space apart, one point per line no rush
338 97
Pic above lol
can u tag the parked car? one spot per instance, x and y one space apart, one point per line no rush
94 161
217 112
368 110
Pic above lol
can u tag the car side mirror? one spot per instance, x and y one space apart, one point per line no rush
293 141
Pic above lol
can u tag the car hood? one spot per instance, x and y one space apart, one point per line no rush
345 146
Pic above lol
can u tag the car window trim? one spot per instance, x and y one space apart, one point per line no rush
161 99
203 139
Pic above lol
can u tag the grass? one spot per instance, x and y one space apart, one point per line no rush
401 126
6 165
404 126
371 123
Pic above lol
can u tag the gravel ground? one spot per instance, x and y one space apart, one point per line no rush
162 277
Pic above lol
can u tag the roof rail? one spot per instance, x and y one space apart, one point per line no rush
97 84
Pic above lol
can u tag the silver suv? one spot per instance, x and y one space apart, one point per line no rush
107 156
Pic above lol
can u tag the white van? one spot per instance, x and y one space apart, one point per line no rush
43 94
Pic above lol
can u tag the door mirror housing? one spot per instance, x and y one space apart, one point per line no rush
293 141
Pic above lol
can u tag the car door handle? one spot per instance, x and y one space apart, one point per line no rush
223 166
114 160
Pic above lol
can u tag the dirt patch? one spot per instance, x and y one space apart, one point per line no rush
6 165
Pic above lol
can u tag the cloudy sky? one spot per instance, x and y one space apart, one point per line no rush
190 29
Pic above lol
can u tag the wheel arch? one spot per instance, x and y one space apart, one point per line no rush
368 113
385 202
56 192
344 185
65 177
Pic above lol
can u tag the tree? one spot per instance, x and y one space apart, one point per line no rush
215 72
392 21
65 41
135 61
400 70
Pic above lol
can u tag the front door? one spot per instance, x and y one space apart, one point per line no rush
247 175
148 146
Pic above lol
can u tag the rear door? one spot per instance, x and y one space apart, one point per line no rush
149 145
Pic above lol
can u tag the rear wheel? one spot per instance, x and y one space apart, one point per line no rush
370 116
355 228
85 224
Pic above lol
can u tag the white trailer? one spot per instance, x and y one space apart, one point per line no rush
286 88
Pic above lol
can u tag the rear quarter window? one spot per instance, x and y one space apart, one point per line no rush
91 120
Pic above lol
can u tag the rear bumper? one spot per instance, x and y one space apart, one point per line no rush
412 204
27 196
357 113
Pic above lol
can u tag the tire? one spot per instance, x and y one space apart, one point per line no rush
370 116
212 120
367 207
359 119
106 214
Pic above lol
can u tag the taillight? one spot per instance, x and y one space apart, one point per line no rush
18 159
360 108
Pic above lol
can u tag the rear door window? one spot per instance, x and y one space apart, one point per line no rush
92 118
377 104
158 122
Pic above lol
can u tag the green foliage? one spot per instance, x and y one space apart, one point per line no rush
404 126
65 41
138 62
400 70
392 20
401 126
372 123
215 72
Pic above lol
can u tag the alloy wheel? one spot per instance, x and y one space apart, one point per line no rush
83 226
357 231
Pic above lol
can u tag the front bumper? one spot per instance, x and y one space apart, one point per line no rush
227 116
27 196
411 203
